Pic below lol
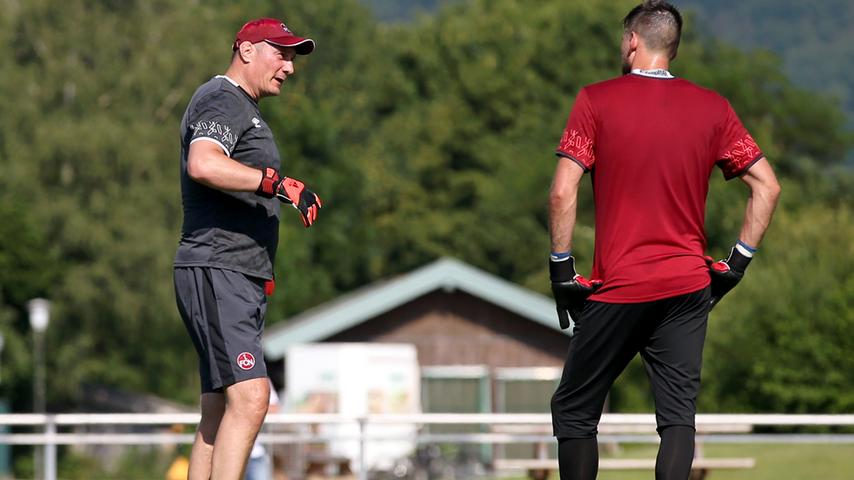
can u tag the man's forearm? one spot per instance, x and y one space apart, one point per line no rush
764 193
563 202
562 223
757 217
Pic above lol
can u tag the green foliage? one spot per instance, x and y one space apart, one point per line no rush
812 38
460 163
780 343
424 139
24 255
86 151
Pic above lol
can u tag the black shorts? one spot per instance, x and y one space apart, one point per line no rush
223 311
669 335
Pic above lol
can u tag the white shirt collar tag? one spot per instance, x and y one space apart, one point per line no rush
656 73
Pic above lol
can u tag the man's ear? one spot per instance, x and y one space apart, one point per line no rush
246 50
634 40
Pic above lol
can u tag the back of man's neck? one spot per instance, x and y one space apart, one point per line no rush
650 65
646 60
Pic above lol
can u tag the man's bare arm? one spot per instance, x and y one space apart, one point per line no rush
563 201
568 287
210 166
764 192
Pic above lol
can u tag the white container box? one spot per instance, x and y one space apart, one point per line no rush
357 379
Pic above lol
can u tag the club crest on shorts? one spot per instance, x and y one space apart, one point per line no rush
246 361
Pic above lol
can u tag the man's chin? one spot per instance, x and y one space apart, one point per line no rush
268 93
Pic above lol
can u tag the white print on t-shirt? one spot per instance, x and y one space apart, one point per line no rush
216 131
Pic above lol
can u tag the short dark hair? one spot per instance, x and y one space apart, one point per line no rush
658 23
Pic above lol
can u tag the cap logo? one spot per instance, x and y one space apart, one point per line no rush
286 29
245 361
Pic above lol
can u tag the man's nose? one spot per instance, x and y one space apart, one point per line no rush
288 68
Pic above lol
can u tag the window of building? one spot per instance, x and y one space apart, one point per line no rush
525 390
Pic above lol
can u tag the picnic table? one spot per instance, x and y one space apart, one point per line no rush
541 466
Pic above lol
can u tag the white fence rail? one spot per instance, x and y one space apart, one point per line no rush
635 428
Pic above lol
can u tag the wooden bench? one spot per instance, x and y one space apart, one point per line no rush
613 429
539 468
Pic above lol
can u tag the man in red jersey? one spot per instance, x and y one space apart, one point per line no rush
651 142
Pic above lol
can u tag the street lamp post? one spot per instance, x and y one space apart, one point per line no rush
2 344
39 311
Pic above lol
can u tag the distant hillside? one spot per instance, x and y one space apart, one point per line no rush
814 39
401 10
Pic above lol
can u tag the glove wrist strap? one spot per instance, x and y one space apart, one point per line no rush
562 270
737 260
267 187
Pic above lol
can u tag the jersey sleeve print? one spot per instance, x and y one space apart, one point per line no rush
215 119
737 151
579 136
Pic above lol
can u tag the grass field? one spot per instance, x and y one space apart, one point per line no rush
773 462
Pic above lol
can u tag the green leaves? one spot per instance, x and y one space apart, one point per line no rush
424 139
779 344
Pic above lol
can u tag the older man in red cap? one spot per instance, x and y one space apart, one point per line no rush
231 190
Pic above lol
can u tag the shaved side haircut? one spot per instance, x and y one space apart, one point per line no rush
658 23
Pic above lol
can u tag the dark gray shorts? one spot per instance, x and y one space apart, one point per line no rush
223 311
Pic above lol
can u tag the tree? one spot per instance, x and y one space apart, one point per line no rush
779 342
424 139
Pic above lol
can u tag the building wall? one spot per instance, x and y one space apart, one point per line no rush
454 328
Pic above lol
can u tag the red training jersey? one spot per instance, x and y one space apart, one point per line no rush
651 144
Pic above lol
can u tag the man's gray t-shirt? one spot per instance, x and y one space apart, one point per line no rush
231 230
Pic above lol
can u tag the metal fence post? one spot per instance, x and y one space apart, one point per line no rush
50 448
363 467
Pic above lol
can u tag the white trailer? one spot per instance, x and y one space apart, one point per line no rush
357 379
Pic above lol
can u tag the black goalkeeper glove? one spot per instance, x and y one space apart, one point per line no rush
570 290
727 273
289 190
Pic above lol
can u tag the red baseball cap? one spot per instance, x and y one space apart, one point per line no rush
275 32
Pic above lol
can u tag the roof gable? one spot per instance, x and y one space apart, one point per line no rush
373 300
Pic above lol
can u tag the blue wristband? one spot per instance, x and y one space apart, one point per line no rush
744 249
560 256
746 246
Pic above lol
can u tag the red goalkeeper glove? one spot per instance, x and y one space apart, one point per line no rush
289 190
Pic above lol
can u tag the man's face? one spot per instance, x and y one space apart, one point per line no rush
271 67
